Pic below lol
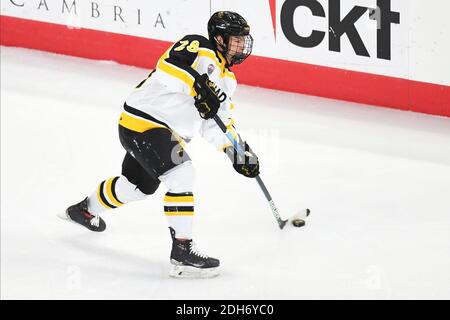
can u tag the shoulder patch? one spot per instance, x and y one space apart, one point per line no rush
210 69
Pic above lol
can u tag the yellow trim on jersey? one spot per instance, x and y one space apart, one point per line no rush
226 72
230 75
225 146
231 106
110 194
100 198
232 130
203 52
195 64
140 125
185 76
231 122
179 199
176 72
137 124
179 213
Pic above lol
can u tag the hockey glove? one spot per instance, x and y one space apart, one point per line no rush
206 101
247 165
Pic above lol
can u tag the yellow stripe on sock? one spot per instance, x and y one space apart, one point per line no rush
179 213
179 199
110 195
100 199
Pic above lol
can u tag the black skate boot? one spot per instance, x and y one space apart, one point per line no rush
78 213
187 262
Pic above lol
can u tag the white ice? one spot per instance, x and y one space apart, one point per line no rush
377 181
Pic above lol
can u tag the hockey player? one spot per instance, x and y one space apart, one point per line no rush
191 83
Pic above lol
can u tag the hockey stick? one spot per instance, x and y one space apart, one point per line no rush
297 219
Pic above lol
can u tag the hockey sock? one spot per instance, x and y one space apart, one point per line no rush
179 210
113 193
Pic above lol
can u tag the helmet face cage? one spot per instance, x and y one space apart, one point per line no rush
228 25
242 50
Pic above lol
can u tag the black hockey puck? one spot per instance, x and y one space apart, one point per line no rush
298 223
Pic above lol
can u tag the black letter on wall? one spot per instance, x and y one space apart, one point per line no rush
347 25
385 17
287 22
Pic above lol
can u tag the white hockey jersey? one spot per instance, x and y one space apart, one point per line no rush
166 97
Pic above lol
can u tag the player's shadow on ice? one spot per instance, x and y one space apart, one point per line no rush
114 261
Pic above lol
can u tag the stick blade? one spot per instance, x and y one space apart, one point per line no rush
282 223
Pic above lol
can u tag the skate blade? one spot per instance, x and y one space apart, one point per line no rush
188 272
64 216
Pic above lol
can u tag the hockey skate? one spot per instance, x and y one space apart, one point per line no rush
78 213
188 262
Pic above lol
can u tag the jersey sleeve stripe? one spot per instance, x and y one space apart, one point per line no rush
185 74
179 74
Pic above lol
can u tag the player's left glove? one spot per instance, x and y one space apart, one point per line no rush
206 101
248 164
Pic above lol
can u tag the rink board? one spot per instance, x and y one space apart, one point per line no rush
412 78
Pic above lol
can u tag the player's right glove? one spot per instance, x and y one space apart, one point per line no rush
248 164
206 101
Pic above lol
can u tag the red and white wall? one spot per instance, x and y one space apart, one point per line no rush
395 53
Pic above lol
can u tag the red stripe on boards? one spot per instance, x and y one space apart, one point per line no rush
259 71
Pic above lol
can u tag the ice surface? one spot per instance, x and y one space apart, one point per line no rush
377 181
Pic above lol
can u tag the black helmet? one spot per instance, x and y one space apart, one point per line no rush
227 24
